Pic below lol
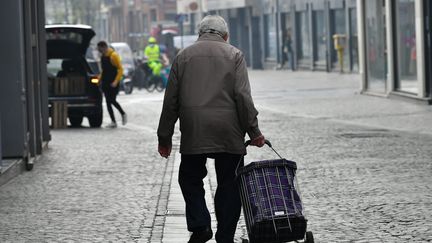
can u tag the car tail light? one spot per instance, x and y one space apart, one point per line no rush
94 80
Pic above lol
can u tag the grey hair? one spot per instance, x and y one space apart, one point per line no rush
213 24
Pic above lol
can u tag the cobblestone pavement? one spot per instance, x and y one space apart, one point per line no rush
91 185
364 169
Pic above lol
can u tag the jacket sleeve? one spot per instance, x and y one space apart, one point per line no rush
146 50
115 61
170 108
245 107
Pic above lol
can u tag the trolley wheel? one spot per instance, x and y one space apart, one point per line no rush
309 237
245 241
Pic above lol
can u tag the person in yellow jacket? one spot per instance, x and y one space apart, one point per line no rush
111 75
152 52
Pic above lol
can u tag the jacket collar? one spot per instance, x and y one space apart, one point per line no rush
211 37
109 52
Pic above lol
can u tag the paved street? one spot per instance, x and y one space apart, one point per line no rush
365 169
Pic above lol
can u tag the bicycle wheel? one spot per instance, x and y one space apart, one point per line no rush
151 84
160 85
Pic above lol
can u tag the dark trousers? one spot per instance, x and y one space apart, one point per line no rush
288 57
110 97
227 199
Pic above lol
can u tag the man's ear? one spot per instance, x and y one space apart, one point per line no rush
226 37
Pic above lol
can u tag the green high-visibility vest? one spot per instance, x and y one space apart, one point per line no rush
152 52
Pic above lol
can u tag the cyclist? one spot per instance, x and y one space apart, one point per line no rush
152 52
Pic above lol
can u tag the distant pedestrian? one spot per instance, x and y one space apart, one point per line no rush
112 72
287 51
209 91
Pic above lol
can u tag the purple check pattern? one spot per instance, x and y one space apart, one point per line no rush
269 190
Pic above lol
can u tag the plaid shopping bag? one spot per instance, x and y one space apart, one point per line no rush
271 203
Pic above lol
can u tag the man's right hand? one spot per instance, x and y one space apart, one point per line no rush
258 141
164 151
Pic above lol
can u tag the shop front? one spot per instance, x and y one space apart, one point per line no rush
393 48
311 25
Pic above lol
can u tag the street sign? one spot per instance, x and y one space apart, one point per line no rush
180 18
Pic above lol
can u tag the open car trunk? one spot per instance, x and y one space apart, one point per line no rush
69 73
67 41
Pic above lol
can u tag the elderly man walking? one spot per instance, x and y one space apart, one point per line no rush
209 91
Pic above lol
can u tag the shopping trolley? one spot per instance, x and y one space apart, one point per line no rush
271 202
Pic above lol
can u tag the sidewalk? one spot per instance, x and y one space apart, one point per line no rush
175 229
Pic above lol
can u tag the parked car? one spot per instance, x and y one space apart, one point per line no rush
128 63
73 72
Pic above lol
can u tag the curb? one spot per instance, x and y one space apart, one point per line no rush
11 169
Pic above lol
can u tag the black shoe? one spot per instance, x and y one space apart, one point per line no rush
201 236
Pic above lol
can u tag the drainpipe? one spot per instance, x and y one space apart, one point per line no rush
201 11
278 58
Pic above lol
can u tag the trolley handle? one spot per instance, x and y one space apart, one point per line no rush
247 143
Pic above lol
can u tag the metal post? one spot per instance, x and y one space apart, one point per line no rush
329 51
294 36
1 156
361 28
37 69
349 36
278 29
200 13
311 35
192 23
46 136
29 40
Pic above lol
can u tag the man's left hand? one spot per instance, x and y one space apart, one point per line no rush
113 84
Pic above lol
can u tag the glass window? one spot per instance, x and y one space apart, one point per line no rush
54 66
304 42
287 41
153 15
65 34
233 29
271 37
339 28
375 45
354 40
406 46
321 37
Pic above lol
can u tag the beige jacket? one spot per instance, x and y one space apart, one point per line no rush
209 91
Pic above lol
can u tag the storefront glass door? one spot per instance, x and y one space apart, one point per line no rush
271 48
303 40
338 23
321 37
354 40
376 45
407 80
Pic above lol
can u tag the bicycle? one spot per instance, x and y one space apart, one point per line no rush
152 82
